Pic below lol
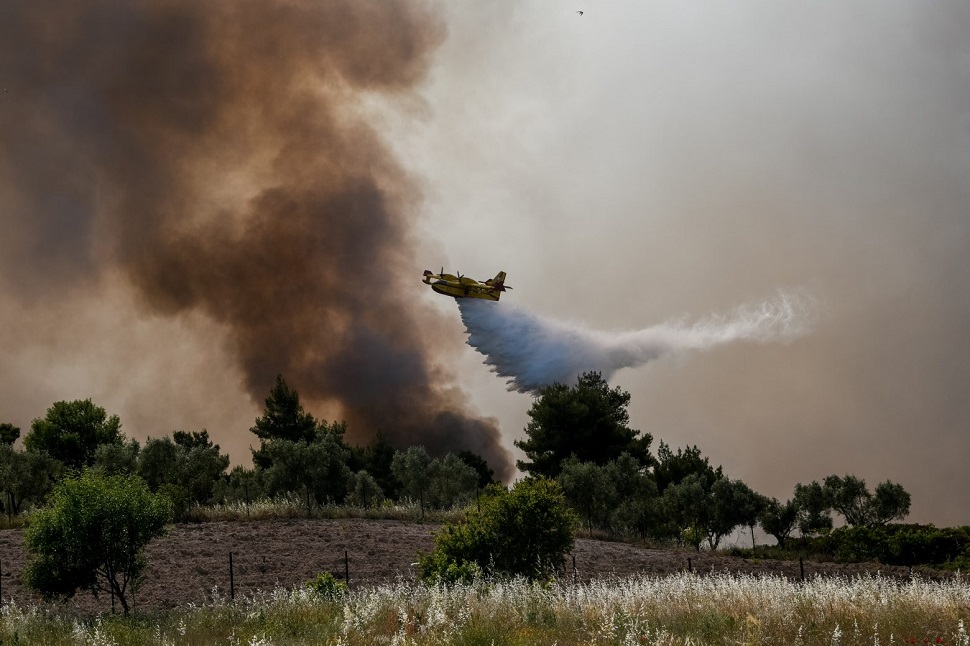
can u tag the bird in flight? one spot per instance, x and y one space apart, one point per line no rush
580 13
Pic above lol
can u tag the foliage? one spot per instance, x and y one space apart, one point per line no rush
117 459
685 504
92 535
71 432
588 420
25 478
363 491
411 468
453 482
200 465
376 458
635 509
436 483
813 509
282 419
318 470
486 475
525 531
589 490
9 433
890 502
732 503
187 469
850 497
892 544
672 468
241 485
779 520
327 586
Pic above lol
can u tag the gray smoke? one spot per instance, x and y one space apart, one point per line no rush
533 351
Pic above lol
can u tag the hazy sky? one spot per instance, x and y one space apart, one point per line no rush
641 163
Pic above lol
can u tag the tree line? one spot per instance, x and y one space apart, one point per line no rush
297 455
103 496
578 435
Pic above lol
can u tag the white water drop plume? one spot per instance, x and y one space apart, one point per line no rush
533 351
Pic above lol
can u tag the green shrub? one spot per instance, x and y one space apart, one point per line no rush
92 535
328 586
895 544
523 532
179 498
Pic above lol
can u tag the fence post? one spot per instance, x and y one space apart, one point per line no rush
801 568
232 581
690 566
346 569
1 582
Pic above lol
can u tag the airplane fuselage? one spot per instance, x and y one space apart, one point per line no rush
464 287
465 291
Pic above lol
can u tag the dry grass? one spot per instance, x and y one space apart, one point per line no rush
292 506
682 609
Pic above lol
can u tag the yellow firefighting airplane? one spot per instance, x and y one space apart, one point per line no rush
463 287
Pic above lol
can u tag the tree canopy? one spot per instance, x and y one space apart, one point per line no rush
92 535
25 477
72 432
282 419
588 420
850 497
9 433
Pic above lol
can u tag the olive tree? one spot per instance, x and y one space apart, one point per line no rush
850 497
412 469
317 470
363 491
25 478
92 535
589 489
453 482
779 519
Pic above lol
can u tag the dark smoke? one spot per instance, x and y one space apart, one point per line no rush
214 153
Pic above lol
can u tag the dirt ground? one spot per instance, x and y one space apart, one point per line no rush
191 563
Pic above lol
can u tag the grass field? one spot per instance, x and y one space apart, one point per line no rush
683 609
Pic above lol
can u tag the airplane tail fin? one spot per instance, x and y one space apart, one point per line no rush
498 283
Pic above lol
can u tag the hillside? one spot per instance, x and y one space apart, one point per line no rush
192 560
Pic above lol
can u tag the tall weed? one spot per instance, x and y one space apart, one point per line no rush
681 609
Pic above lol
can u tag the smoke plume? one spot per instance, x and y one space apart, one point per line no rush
215 156
532 351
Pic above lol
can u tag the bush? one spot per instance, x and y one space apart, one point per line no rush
327 586
92 536
897 544
523 532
